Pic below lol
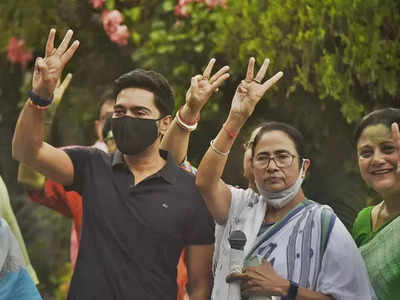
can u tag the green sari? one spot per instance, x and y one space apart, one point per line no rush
381 252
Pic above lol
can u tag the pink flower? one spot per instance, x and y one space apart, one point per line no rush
121 35
111 20
112 26
17 52
178 24
97 3
214 3
181 11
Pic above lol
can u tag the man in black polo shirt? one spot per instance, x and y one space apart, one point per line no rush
139 208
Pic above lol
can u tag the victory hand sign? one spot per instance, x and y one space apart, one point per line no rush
251 90
48 70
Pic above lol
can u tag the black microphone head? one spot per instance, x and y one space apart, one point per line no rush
237 239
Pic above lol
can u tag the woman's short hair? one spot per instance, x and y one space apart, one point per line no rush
294 134
385 116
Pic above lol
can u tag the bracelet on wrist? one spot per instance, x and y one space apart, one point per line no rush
182 124
216 150
37 100
38 106
185 121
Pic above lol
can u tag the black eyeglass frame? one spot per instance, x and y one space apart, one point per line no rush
279 165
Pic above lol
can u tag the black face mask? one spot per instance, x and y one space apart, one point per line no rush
134 135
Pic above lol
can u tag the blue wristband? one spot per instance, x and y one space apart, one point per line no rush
40 101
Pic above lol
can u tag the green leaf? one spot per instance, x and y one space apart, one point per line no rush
110 4
133 14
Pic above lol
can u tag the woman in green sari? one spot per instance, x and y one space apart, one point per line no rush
377 228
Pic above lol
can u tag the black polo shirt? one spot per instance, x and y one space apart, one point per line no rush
132 235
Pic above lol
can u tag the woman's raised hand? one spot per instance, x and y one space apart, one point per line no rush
251 90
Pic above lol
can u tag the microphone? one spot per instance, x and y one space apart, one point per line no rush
237 239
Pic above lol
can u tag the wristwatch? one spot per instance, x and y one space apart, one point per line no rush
292 293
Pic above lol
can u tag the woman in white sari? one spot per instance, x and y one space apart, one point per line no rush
296 248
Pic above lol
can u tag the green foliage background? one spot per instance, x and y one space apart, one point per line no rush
341 59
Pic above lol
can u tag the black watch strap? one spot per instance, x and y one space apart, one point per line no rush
292 293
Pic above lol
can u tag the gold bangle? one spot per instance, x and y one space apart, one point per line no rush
216 150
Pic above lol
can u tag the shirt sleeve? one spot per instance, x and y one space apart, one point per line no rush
201 230
343 273
80 157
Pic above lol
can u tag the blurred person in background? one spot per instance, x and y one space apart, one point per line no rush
16 273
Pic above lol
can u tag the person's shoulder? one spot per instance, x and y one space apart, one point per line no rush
362 220
363 214
324 208
362 225
84 150
238 192
326 216
184 175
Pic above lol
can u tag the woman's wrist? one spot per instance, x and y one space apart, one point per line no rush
42 93
284 288
234 123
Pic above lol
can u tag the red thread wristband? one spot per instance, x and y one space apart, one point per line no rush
185 121
230 133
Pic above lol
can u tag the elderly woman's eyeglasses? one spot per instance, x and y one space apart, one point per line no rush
281 160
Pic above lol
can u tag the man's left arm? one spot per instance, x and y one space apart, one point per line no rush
199 261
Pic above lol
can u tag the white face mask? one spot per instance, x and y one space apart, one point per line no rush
281 198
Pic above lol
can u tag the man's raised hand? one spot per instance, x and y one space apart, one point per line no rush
48 70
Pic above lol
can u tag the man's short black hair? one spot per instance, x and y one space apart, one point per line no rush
151 81
385 116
